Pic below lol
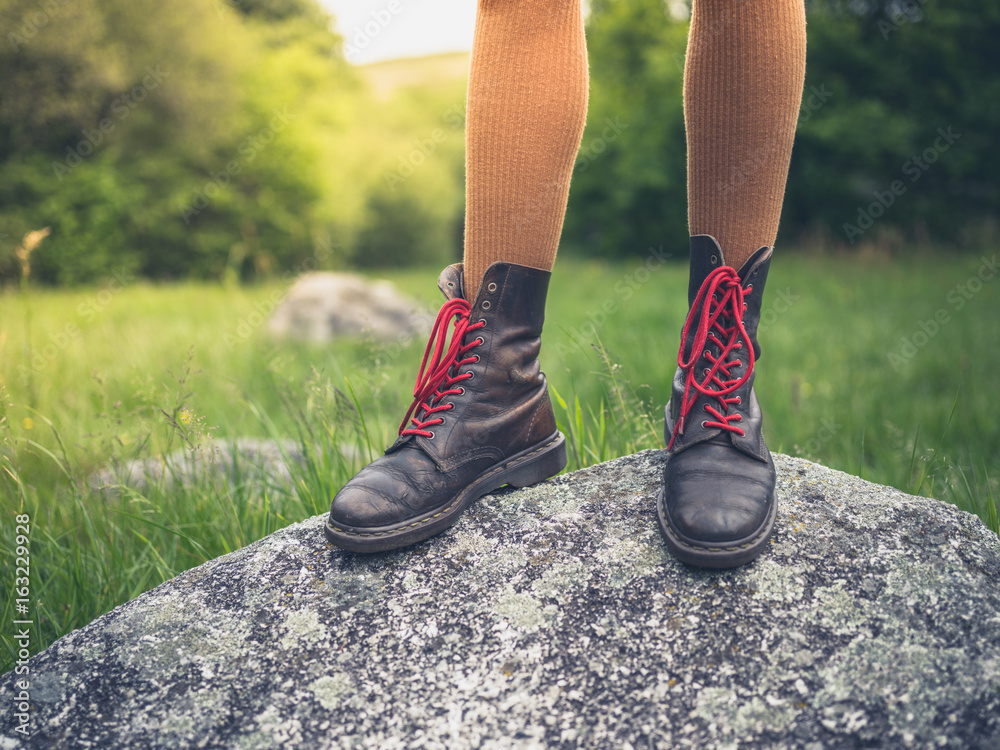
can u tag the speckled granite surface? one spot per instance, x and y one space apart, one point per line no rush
554 617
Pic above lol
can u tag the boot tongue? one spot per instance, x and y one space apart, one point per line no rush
761 256
450 282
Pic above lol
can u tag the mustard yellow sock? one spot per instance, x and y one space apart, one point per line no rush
743 81
527 104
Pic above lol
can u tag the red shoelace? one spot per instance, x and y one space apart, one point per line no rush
441 370
718 310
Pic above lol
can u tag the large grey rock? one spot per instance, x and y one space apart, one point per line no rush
554 617
322 306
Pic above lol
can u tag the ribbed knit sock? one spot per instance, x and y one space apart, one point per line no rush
743 79
527 105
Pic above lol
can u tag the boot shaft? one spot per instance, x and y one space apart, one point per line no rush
707 257
505 405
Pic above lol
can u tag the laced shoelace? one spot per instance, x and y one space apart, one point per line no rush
440 369
718 311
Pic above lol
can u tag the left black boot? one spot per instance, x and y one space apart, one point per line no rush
716 508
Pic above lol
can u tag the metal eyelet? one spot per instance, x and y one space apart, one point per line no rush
431 437
481 340
486 304
706 371
471 375
739 400
713 260
461 391
708 353
704 424
491 287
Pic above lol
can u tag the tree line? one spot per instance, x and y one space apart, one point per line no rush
231 139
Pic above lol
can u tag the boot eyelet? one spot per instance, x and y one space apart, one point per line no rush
491 287
706 371
704 424
739 400
483 321
707 353
476 358
481 340
713 260
461 391
471 375
431 436
486 304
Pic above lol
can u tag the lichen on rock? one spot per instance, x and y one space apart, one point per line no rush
553 617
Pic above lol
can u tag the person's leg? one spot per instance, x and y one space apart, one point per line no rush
742 90
527 106
743 81
481 415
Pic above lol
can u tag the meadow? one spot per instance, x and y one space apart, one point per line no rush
881 367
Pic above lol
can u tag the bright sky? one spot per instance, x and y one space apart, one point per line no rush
383 29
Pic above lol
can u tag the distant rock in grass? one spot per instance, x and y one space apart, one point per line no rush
553 617
239 460
323 306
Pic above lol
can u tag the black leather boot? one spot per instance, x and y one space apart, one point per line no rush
716 508
481 418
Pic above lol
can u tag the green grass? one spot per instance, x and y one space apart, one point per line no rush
94 377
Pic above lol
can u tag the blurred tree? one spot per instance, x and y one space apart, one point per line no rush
908 94
169 138
901 109
629 185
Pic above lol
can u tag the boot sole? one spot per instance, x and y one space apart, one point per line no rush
708 555
523 469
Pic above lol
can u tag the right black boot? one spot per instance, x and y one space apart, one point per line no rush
481 418
716 508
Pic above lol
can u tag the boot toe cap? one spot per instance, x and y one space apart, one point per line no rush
717 495
719 518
